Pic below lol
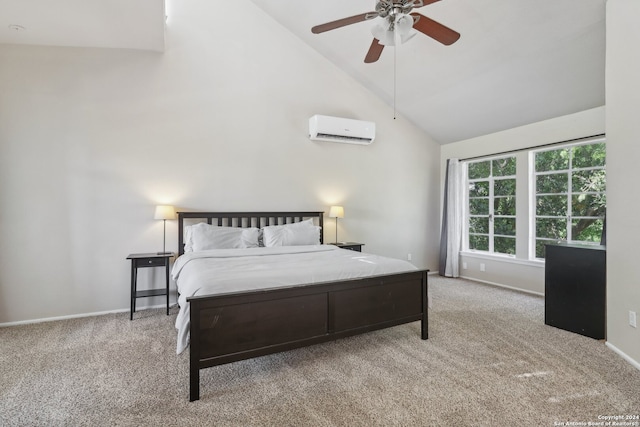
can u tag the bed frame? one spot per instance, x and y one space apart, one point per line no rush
237 326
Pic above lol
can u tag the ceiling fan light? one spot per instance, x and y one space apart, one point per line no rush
384 36
404 26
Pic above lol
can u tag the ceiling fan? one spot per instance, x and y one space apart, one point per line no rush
398 27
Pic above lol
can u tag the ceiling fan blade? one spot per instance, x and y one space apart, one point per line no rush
420 3
343 22
374 52
435 30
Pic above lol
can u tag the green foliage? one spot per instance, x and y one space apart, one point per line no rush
479 189
478 242
479 206
590 155
587 230
504 187
552 183
504 167
479 170
540 247
585 166
479 224
504 205
551 228
504 245
590 180
551 205
552 160
592 205
504 226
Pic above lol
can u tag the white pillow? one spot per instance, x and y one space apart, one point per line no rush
299 233
203 236
188 240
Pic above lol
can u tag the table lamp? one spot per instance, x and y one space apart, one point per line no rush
164 212
336 212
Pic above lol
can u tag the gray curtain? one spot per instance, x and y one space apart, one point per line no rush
452 213
443 232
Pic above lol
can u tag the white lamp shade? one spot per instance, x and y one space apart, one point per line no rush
403 26
165 212
336 212
384 36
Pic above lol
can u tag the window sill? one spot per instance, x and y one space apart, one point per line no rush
502 258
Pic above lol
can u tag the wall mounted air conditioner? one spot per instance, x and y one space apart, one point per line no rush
337 129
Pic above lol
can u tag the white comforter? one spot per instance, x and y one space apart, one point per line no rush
222 271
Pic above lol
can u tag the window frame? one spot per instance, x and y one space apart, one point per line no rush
568 195
491 198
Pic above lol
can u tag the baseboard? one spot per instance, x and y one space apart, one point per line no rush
500 285
77 316
625 356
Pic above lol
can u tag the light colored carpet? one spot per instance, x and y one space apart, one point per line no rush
489 361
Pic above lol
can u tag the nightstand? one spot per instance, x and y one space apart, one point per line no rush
145 261
352 246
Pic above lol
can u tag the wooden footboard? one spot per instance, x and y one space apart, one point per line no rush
232 327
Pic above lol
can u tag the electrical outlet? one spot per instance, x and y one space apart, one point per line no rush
632 319
464 265
482 266
408 257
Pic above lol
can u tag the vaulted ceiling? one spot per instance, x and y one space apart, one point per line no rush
516 62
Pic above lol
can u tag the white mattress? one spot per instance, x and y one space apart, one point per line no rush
220 271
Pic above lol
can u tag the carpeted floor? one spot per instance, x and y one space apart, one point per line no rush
489 361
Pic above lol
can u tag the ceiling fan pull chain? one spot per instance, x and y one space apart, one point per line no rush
395 48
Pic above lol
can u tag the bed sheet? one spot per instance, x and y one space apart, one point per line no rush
220 271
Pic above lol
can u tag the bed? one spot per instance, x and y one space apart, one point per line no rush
235 304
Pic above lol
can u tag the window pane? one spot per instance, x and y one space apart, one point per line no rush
504 167
540 247
586 230
588 181
551 205
479 224
479 206
504 226
552 160
504 187
479 170
504 245
553 183
575 188
478 242
479 189
504 205
585 156
551 228
588 204
492 188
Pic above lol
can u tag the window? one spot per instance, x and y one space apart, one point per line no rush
569 195
492 205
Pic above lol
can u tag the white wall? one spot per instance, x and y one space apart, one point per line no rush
623 175
623 151
92 139
520 273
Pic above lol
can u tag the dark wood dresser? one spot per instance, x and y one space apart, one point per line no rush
575 288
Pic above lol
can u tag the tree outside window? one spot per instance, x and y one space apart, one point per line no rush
492 205
570 195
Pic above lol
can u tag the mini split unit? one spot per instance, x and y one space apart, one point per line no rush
337 129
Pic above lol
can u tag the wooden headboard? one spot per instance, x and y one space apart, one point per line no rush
244 220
